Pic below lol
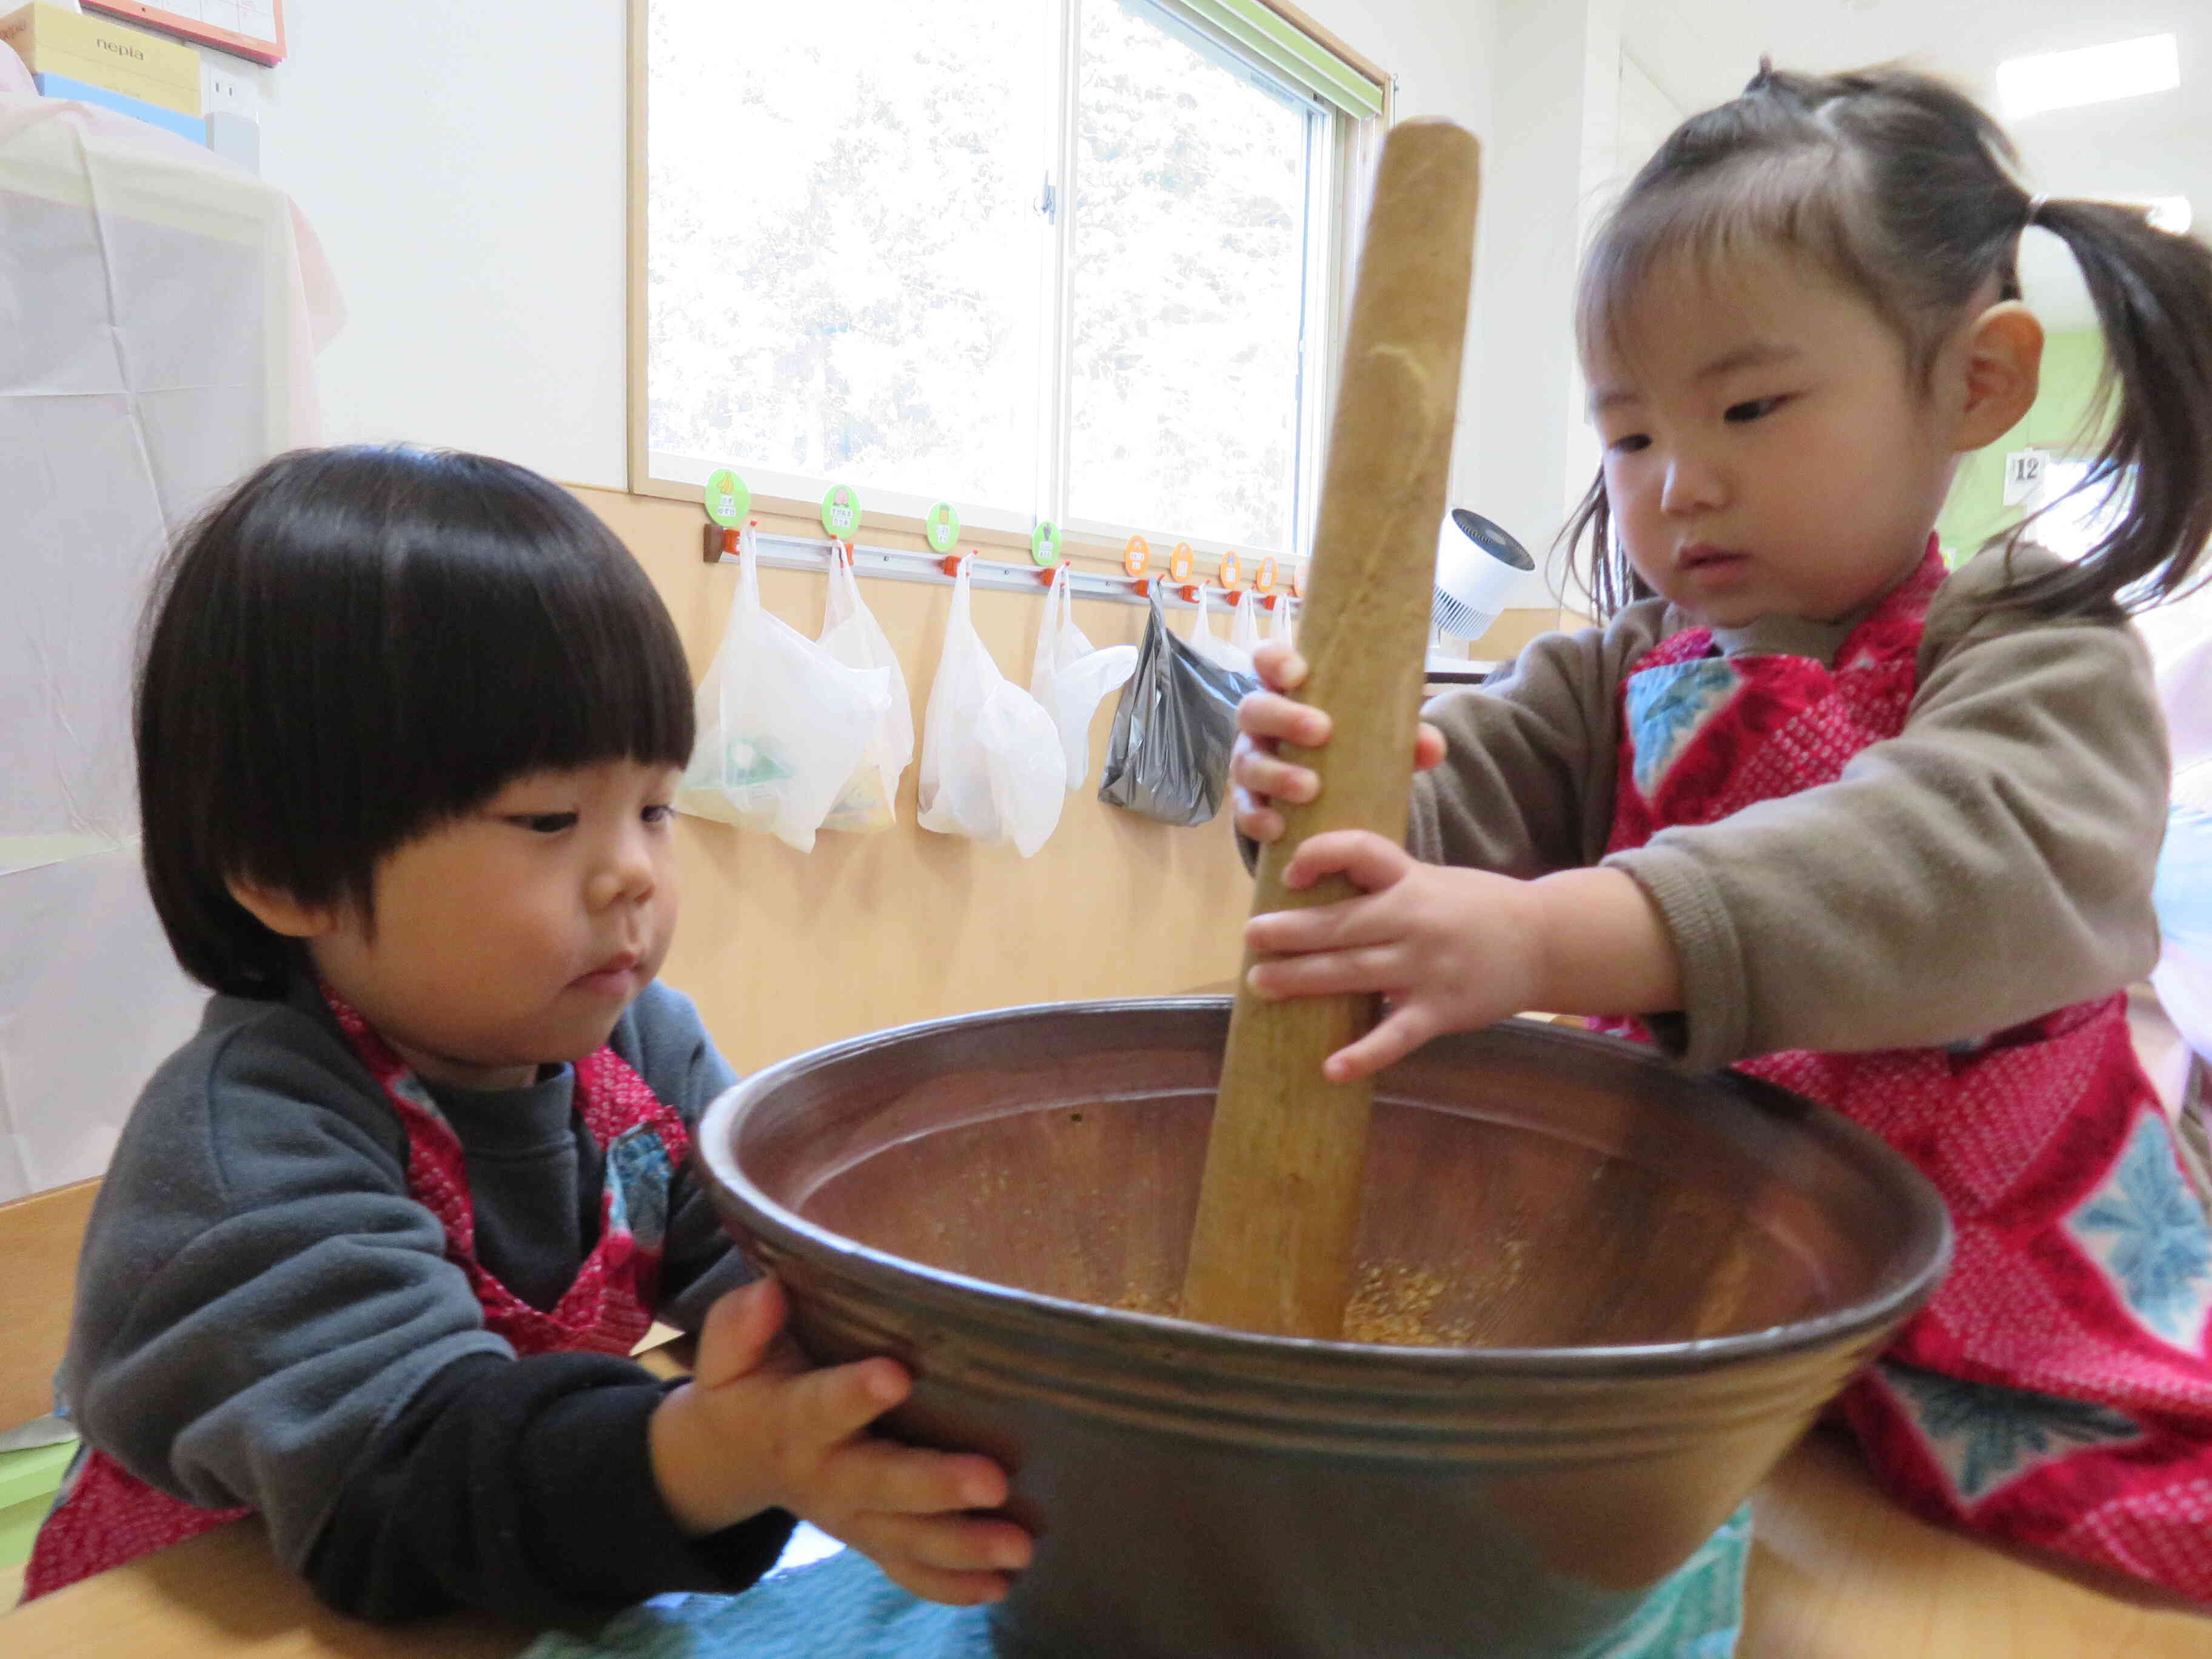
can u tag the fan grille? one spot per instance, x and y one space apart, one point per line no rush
1460 620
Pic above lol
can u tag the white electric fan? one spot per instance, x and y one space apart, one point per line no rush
1478 565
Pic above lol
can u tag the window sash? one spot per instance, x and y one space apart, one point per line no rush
1342 134
1267 36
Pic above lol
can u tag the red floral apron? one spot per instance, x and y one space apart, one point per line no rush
2058 1389
106 1516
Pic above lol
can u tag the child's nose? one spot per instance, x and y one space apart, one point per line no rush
1692 485
626 874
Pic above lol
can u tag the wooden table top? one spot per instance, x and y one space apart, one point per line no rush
1837 1572
223 1594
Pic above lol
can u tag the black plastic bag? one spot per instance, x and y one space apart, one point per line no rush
1169 756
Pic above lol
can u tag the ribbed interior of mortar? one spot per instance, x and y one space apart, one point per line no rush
1526 1188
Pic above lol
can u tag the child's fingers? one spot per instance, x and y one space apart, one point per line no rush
1428 748
1259 773
1369 862
1256 820
878 1476
826 1406
1330 973
947 1543
1324 928
1280 667
1401 1032
956 1589
1265 717
738 1333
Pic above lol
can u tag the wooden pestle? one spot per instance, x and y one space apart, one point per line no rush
1279 1206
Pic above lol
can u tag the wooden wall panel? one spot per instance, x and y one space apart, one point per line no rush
783 950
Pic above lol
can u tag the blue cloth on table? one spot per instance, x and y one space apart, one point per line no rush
845 1609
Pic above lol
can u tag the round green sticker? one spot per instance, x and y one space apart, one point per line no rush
841 512
942 526
728 500
1044 544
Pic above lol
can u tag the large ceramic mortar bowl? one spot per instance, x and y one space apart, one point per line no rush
1667 1276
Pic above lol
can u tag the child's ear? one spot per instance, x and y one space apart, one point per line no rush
2003 368
279 912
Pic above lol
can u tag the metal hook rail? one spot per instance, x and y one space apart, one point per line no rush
906 565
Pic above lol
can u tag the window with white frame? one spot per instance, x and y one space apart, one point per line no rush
2077 507
1067 260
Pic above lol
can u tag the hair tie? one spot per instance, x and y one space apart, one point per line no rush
2036 204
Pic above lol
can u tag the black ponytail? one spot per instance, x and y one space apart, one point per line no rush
2152 291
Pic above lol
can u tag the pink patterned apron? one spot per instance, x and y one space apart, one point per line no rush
2057 1390
107 1515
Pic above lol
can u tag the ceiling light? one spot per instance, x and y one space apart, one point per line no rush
2171 213
2168 213
2094 75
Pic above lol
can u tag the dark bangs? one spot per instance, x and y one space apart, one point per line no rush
1706 223
360 644
514 634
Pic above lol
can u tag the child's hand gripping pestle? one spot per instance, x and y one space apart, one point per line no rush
1279 1203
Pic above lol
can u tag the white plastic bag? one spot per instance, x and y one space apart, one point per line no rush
1244 631
1212 646
992 766
850 634
782 722
1071 676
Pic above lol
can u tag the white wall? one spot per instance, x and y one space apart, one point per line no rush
1443 53
1539 82
463 165
1558 68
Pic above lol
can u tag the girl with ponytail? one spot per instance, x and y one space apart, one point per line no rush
1809 805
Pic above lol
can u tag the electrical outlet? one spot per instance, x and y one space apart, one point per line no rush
228 85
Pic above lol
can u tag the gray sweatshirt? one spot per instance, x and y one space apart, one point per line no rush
264 1317
1988 864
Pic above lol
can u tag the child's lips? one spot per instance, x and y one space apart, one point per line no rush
614 975
1702 562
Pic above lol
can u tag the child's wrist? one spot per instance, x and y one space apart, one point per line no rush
686 1462
1600 946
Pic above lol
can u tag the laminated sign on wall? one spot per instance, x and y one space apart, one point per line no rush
2024 471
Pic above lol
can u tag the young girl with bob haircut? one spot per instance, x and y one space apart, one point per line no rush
1808 805
378 1241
